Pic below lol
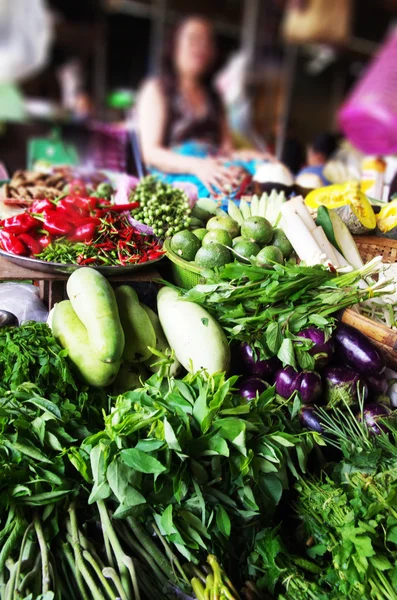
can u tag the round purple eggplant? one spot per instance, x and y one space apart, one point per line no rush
343 385
249 387
372 412
309 386
286 381
377 384
310 419
358 351
247 363
307 383
323 349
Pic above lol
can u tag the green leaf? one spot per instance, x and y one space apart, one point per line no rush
149 445
25 447
381 563
283 440
200 408
286 353
318 320
170 436
274 337
274 487
53 441
392 534
45 405
45 498
132 499
142 462
305 360
217 445
205 321
100 491
223 521
117 475
167 523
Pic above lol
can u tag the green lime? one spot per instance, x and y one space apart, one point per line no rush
213 255
238 239
246 249
257 229
268 256
201 213
200 233
224 222
185 244
217 236
281 242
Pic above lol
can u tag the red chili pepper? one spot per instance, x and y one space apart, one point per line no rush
20 223
87 261
71 209
86 220
11 243
44 241
56 225
84 233
31 244
119 207
40 206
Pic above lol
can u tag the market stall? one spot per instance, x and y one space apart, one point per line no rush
231 435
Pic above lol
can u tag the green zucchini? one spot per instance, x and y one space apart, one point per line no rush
93 301
138 329
73 336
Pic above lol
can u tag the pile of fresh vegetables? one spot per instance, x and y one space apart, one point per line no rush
235 443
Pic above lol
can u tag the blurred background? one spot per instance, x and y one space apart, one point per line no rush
280 80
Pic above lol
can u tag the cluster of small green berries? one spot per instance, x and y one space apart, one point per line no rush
163 207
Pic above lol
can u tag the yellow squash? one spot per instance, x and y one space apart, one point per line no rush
349 201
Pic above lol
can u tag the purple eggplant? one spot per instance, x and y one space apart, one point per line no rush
307 383
286 381
309 386
249 387
323 349
343 385
310 419
358 351
247 363
377 384
372 412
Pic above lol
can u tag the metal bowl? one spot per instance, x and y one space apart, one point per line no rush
66 269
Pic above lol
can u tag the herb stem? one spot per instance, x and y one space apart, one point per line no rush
170 554
80 563
125 566
45 569
90 559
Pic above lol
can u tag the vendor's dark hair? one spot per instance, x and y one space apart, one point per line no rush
168 75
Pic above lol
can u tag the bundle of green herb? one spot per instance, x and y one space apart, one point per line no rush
269 307
196 465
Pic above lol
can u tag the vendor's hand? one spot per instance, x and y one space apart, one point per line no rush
213 174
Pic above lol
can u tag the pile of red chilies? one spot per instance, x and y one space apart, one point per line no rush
75 218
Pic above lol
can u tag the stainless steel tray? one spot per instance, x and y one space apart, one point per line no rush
65 269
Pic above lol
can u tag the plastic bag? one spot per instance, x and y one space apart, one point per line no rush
23 301
25 36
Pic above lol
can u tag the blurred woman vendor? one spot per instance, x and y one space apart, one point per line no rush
182 126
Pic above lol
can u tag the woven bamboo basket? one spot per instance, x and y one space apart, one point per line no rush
371 246
383 337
